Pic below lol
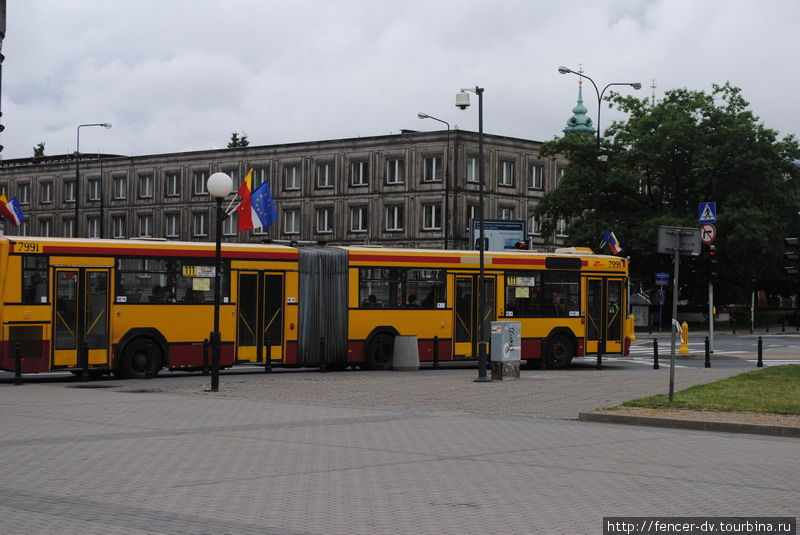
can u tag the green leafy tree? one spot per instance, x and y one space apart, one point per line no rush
237 141
664 159
38 150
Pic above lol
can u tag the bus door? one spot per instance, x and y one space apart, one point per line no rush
604 314
80 316
465 312
260 316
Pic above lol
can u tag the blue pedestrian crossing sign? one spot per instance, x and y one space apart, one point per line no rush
707 212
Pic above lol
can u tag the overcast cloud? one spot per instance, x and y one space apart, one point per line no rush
179 75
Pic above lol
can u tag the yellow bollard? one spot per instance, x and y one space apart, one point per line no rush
632 327
684 339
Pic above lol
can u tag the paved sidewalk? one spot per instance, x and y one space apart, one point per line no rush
370 453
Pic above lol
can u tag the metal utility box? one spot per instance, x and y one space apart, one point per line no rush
506 341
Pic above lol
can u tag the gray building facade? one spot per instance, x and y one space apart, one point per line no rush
413 189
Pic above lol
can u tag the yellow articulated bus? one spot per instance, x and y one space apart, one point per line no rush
569 303
104 305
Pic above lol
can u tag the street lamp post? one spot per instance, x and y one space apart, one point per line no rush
78 174
635 85
446 176
219 186
102 214
462 102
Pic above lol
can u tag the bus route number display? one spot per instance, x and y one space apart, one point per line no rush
28 247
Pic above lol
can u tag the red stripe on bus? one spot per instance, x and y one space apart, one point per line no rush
404 258
123 251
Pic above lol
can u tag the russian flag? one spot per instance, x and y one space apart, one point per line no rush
612 242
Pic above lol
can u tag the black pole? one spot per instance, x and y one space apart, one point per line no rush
655 354
447 190
482 375
435 352
600 350
215 335
77 188
17 363
102 212
268 363
708 353
85 361
205 356
760 363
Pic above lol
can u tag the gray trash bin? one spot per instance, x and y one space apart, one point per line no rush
406 354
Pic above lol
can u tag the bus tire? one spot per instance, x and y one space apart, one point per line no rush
560 351
379 352
133 362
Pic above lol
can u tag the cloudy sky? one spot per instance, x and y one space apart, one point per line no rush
179 75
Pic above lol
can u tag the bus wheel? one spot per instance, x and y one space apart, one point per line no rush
134 359
560 350
379 352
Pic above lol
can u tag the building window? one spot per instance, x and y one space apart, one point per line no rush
432 170
506 213
432 217
472 213
118 226
22 229
69 227
234 174
230 225
69 191
172 184
94 189
324 219
534 225
45 228
145 186
324 175
93 230
172 225
199 180
291 177
394 218
535 177
291 221
472 169
359 173
259 176
23 193
561 228
559 176
120 187
358 219
395 171
506 173
145 226
46 193
200 224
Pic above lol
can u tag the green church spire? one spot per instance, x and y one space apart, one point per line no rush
579 122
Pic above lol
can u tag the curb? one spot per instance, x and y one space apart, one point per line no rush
674 423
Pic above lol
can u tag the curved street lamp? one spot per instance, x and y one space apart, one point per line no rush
78 174
219 186
462 102
635 85
446 175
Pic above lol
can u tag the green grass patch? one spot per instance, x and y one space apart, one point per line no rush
774 389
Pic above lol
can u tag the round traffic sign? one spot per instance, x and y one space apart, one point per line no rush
707 232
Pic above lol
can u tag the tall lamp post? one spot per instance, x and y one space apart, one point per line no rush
219 186
462 102
78 173
446 176
635 85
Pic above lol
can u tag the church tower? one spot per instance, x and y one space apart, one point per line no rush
579 122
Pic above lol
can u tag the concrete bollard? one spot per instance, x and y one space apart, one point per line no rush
406 354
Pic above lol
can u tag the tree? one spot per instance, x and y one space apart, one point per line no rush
662 161
237 141
38 150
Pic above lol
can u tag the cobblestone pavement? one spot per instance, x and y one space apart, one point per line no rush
362 452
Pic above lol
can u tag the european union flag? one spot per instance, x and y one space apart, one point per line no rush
263 206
